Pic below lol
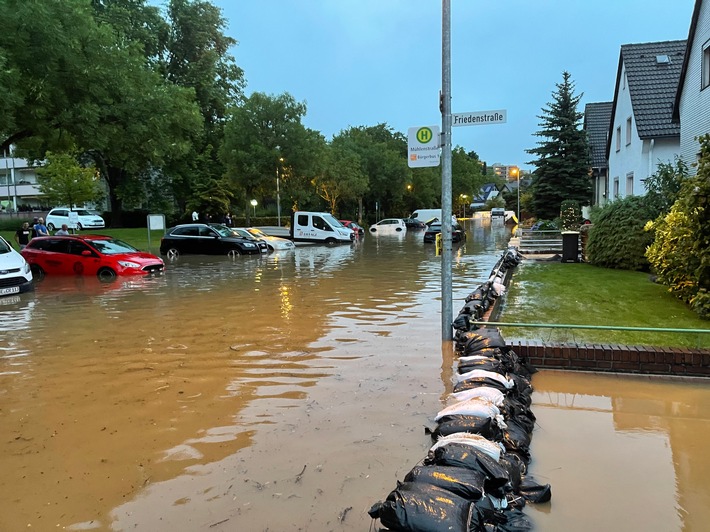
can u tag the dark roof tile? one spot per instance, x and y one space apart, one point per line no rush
597 117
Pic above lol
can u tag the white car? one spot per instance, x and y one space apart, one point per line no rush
275 243
15 273
84 219
389 226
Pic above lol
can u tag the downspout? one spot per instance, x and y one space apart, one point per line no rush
650 158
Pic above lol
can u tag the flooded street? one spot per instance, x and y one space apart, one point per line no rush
290 393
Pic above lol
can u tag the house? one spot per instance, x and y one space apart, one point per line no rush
692 101
487 192
597 117
641 131
18 185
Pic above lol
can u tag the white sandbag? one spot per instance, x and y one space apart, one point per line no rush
488 447
477 406
494 395
481 373
474 358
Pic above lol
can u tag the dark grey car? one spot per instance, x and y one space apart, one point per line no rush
203 239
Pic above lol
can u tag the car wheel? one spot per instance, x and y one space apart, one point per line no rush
78 226
330 241
106 275
271 249
50 227
173 253
37 272
233 253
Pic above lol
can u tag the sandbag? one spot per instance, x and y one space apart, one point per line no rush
486 364
419 507
477 382
479 373
459 455
493 395
476 406
476 441
534 492
466 483
484 426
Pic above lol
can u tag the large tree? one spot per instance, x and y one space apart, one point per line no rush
562 167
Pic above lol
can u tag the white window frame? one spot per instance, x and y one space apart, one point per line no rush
630 184
618 138
628 131
705 67
616 187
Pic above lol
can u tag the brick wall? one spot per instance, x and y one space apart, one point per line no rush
646 360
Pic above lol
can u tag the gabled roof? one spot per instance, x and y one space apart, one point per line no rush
684 68
652 86
597 117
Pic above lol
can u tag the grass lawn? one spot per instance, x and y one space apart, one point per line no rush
581 294
136 237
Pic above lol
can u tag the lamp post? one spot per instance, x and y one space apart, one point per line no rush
517 174
464 199
278 192
253 204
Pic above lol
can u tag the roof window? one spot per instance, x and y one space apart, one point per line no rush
663 59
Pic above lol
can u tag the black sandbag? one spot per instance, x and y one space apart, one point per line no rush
515 466
486 364
480 292
477 382
466 483
484 426
419 507
473 309
462 323
467 456
516 438
488 518
534 492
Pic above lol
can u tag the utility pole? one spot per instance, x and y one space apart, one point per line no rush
447 317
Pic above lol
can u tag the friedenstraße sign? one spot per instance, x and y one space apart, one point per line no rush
479 118
424 146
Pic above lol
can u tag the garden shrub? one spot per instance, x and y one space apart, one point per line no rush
617 239
570 215
680 253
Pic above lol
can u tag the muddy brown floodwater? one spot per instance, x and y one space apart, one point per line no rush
291 392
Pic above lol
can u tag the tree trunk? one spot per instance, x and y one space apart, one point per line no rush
115 178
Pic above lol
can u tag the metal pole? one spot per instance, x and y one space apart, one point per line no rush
447 316
518 196
278 197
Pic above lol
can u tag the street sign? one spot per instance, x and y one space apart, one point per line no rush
479 118
424 146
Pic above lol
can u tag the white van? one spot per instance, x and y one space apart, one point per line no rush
424 215
321 227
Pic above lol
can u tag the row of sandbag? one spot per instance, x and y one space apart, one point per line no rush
474 477
481 299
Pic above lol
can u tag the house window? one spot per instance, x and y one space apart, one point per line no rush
705 71
630 184
616 187
618 138
628 131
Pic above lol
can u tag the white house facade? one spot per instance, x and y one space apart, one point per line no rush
692 104
18 185
641 131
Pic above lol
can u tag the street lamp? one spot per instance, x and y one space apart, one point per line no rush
516 171
464 199
253 204
278 192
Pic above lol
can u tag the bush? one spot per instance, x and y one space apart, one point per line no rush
570 215
680 254
618 239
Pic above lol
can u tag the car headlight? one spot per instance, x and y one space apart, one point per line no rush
129 264
249 245
27 267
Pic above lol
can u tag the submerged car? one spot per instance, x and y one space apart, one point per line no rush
275 243
103 256
458 234
389 226
15 272
414 223
203 239
243 233
85 219
355 228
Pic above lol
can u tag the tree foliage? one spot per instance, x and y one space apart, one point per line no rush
663 187
64 182
562 166
680 253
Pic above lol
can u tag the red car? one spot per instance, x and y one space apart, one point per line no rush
103 256
352 225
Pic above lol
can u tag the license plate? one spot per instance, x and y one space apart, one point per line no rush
10 290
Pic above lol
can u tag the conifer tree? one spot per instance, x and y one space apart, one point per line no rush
562 166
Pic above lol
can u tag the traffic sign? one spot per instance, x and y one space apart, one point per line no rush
479 118
424 146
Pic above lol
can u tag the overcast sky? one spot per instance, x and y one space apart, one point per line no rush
364 62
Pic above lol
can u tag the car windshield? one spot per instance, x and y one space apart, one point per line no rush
244 233
435 227
332 220
223 230
4 246
256 232
112 246
82 212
